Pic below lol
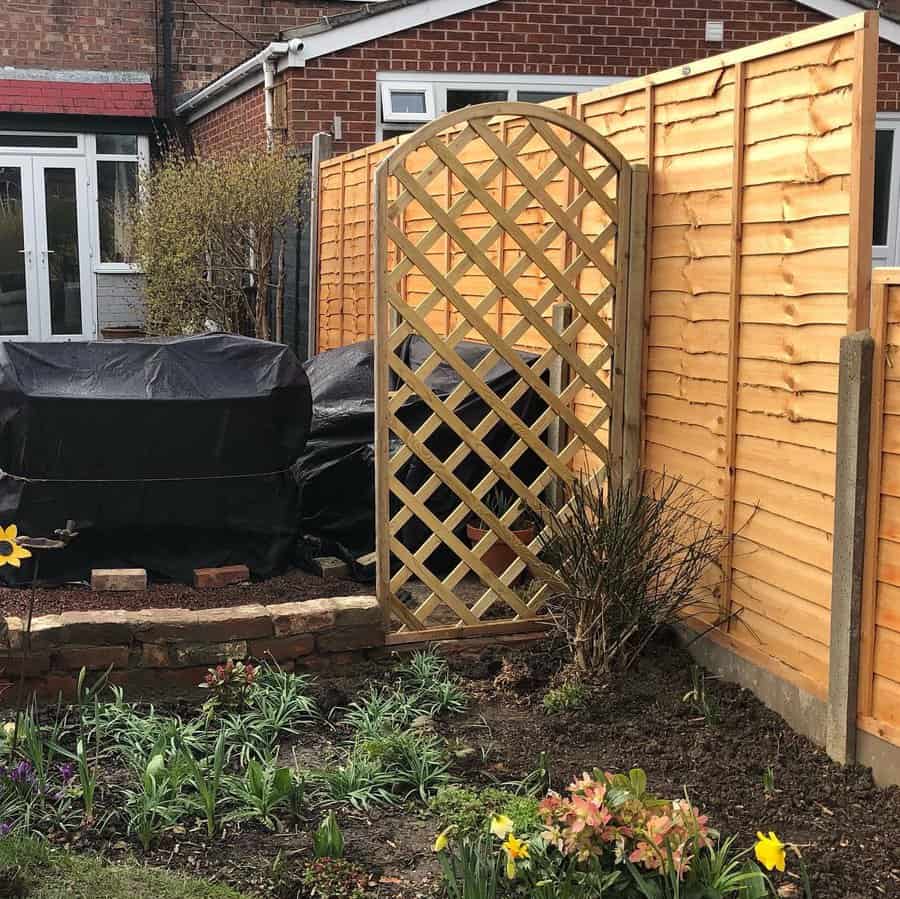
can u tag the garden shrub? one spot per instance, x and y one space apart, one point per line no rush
470 811
623 561
209 235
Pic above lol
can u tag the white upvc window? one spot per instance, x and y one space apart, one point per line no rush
117 163
406 100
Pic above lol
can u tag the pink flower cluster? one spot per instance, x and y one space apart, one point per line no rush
599 815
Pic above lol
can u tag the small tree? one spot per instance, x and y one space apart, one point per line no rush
209 234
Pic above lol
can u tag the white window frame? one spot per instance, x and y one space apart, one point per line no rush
887 254
417 87
143 161
77 150
438 83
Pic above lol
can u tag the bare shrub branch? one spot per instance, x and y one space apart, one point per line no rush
623 562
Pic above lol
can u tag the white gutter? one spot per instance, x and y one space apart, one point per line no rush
242 77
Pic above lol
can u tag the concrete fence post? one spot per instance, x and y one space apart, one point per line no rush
322 149
849 538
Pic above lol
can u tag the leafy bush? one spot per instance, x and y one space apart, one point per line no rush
335 878
623 561
566 698
470 811
209 234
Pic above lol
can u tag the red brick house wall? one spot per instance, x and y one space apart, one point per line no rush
112 34
600 38
236 125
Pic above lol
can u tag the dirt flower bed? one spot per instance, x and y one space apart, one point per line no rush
401 749
294 586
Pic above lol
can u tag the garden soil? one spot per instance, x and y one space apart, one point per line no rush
294 586
846 827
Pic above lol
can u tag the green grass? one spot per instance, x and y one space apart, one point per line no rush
46 873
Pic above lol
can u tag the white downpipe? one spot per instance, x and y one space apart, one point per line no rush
268 58
268 65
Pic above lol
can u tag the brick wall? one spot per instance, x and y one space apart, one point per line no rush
236 125
599 38
110 34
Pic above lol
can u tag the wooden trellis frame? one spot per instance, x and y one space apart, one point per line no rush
591 273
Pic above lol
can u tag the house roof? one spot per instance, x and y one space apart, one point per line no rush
385 17
76 92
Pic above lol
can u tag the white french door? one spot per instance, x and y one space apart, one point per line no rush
45 251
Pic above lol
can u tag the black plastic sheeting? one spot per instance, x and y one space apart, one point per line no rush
336 472
168 454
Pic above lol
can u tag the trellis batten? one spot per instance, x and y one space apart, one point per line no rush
529 235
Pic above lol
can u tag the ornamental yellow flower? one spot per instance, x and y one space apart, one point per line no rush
514 849
10 551
769 851
440 844
501 826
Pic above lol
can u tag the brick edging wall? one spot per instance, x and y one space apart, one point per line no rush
174 647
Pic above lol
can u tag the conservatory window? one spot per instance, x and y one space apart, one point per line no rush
118 164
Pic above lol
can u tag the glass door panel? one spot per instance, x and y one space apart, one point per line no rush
61 254
18 302
64 257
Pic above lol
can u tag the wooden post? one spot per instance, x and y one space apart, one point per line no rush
620 314
557 433
635 325
862 167
854 407
382 400
322 147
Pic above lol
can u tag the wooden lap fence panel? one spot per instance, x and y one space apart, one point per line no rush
758 263
485 220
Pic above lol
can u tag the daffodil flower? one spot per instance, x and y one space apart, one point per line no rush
769 851
443 838
514 849
10 551
501 826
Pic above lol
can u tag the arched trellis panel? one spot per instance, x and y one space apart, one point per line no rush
489 222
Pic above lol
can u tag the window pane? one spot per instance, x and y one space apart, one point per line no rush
884 151
13 298
456 99
61 141
118 144
62 251
408 101
540 96
116 188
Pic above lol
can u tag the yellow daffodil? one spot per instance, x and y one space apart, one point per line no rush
769 851
9 728
10 551
514 849
501 826
440 844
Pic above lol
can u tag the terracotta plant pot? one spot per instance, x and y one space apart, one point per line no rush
499 557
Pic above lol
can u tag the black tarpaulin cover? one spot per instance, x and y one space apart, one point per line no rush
168 454
336 471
